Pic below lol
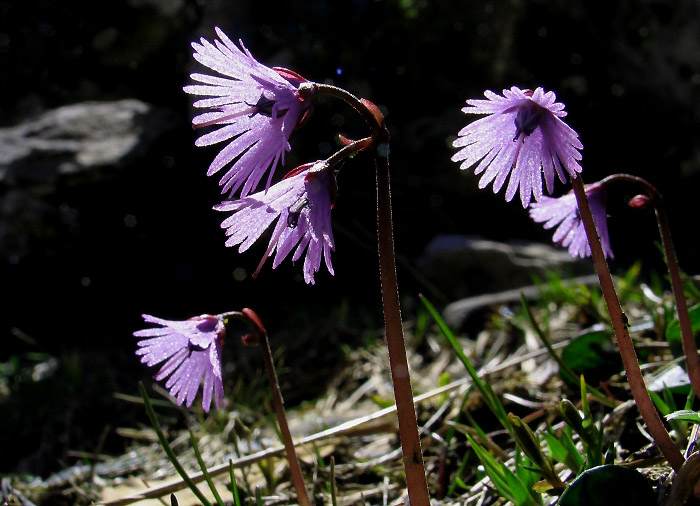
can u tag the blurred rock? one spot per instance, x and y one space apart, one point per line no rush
459 314
461 266
90 140
78 138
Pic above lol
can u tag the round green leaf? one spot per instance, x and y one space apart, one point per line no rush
609 485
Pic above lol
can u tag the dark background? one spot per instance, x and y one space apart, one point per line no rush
142 238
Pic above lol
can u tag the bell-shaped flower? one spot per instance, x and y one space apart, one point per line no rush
522 136
255 107
191 350
301 203
563 213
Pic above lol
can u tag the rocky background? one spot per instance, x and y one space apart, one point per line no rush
105 209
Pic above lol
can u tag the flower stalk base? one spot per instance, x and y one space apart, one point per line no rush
619 322
403 393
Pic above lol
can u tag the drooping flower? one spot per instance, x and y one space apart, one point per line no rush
301 204
522 136
255 107
192 349
563 213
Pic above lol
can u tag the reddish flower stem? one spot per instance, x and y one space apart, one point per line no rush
294 468
690 349
619 322
355 103
414 468
403 393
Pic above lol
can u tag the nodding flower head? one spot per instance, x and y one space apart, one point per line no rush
563 213
521 137
255 107
192 351
301 203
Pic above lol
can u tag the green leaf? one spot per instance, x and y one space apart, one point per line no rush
382 402
492 467
663 408
444 379
593 356
461 483
506 482
564 450
521 493
609 485
686 415
673 330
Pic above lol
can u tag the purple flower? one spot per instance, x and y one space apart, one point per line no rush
301 204
257 110
522 136
192 349
563 213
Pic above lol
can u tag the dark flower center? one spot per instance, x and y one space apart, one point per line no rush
264 106
295 211
193 347
207 324
528 118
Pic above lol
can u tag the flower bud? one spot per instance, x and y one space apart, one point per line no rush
250 340
571 415
640 201
528 443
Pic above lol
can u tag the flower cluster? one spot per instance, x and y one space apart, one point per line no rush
191 350
521 138
256 109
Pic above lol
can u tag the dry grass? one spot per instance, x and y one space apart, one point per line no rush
354 424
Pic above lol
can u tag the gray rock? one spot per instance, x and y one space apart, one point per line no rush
79 143
457 314
463 266
77 138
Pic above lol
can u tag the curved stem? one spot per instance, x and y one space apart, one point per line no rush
403 393
349 150
408 424
619 322
690 349
356 103
252 318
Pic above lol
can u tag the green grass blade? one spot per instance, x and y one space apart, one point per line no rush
458 475
493 468
564 450
489 397
564 370
203 467
168 450
234 486
334 499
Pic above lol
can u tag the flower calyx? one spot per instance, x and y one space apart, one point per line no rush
640 201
